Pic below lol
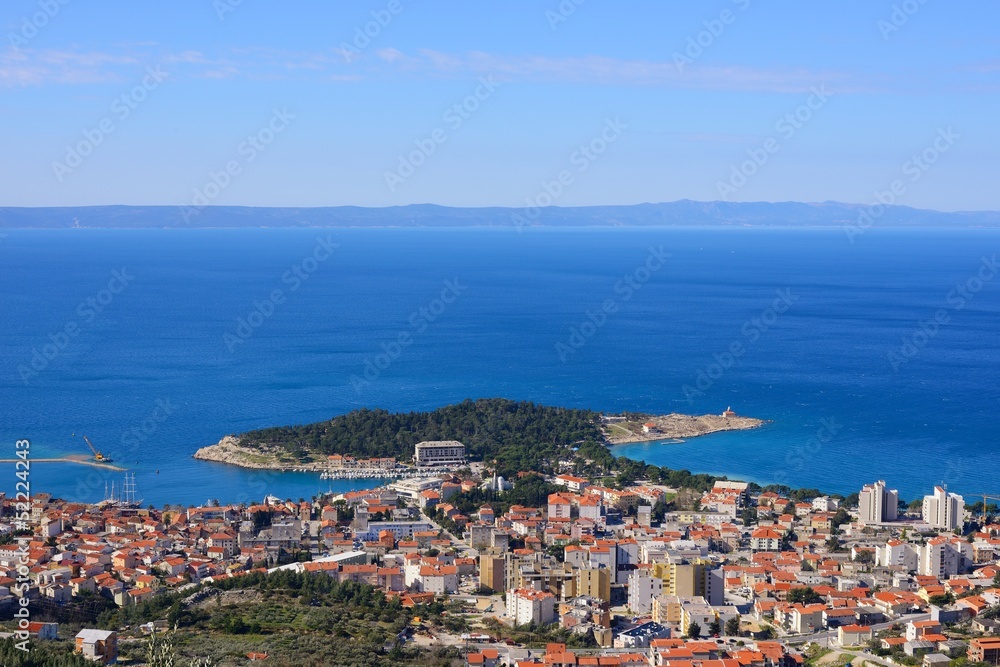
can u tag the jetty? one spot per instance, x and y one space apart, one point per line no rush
67 459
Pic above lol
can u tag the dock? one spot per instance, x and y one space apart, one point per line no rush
66 459
380 473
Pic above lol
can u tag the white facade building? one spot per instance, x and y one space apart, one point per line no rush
559 506
572 483
943 557
526 605
943 510
643 588
439 453
440 579
825 504
896 553
878 504
591 507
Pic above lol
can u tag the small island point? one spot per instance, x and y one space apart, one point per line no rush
296 449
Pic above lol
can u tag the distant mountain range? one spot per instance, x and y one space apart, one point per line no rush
683 212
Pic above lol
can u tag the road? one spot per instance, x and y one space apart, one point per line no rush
438 526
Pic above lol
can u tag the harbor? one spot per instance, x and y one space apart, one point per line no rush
380 473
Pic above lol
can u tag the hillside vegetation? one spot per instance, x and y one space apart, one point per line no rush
297 619
517 435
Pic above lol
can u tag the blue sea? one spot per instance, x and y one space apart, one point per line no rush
870 360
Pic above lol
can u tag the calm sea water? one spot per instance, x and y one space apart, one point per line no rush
169 356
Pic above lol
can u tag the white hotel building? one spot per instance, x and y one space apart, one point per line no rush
439 453
943 510
877 504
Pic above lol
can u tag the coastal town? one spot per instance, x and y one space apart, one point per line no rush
593 573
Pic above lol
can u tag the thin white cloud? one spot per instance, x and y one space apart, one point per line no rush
189 57
603 70
220 73
22 68
31 68
117 63
83 59
390 55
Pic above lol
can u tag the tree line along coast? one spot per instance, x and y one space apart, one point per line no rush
507 436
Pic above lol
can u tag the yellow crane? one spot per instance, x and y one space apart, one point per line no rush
985 497
99 457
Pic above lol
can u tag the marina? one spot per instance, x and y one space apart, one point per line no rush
381 473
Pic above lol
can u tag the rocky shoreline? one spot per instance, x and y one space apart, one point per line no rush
228 450
674 426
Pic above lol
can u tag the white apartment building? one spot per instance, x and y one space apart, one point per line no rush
940 557
943 557
878 504
526 605
438 579
439 453
643 588
943 510
896 553
701 613
765 538
559 506
825 504
572 483
591 507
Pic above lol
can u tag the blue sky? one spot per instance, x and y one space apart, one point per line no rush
892 76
